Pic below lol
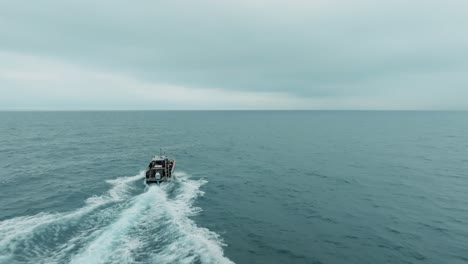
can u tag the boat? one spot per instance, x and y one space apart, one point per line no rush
159 170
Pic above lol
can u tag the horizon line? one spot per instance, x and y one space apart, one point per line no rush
232 110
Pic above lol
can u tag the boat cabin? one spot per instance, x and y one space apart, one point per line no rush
159 169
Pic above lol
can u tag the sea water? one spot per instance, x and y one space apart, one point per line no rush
251 187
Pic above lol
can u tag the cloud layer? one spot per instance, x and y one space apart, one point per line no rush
211 54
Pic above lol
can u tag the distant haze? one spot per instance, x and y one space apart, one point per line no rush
243 54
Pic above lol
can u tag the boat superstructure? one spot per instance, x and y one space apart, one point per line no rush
159 170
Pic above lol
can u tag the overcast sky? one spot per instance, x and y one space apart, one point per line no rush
233 54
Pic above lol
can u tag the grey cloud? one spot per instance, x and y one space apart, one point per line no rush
310 49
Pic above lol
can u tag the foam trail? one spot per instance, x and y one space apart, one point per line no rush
154 226
158 228
101 249
205 244
17 230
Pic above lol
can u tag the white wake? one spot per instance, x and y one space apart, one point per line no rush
154 226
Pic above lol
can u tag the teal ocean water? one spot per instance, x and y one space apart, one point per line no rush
252 187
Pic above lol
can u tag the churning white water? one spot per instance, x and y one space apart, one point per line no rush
117 227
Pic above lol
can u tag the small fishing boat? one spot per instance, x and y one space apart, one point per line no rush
160 170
